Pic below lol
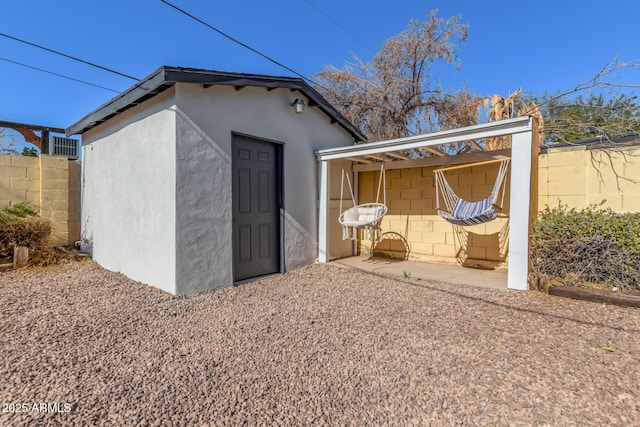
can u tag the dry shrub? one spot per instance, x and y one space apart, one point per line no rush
21 225
31 232
54 256
586 247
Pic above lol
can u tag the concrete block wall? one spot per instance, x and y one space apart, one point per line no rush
19 180
412 217
573 176
578 177
51 183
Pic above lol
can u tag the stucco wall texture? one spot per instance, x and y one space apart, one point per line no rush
207 120
52 184
129 193
168 162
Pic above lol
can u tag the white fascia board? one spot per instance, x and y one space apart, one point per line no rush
485 130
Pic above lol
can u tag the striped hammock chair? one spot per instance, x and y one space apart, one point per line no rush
463 212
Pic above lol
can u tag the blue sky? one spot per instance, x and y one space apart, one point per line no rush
542 46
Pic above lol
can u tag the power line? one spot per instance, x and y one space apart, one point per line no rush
69 56
246 46
58 75
340 26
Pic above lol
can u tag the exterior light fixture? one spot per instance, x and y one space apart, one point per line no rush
298 105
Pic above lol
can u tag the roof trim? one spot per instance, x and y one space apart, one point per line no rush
485 130
166 77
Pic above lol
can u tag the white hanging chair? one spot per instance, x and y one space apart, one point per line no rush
365 216
463 212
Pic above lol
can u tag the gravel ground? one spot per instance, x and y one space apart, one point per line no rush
319 345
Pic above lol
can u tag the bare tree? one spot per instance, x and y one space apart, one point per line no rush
396 94
590 116
501 108
604 111
597 107
7 143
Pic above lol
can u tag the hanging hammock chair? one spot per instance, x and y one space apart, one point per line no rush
462 212
365 216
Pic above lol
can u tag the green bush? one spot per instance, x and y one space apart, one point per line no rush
20 225
591 245
20 210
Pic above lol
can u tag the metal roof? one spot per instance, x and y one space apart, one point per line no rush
166 77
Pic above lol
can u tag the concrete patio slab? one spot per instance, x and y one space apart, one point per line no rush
441 272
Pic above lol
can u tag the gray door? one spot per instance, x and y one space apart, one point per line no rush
256 219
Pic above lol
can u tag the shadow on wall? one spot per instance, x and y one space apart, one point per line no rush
483 251
86 244
300 246
86 238
412 214
74 201
392 246
200 137
204 200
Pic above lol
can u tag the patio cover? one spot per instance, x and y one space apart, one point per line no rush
523 175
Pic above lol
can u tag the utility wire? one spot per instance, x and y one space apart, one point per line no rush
69 56
58 75
246 46
322 12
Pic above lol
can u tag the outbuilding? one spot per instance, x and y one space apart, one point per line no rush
193 180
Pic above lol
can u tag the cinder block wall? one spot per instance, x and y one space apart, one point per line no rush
578 177
52 184
413 223
573 176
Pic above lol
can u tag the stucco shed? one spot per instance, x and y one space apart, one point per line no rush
193 180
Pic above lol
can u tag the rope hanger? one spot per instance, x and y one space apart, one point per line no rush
462 212
383 175
364 216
